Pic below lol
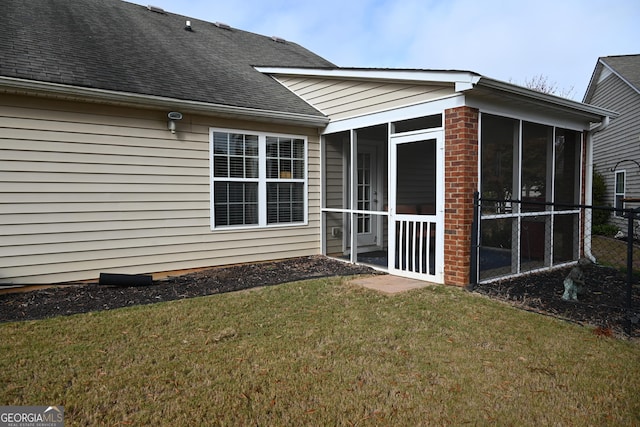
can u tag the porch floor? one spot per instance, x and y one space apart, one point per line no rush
390 284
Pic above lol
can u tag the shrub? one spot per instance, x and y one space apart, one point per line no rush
605 229
598 191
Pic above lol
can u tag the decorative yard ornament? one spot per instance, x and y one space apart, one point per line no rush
574 283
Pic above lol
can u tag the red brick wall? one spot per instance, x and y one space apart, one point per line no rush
461 181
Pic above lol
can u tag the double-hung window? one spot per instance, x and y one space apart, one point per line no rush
258 179
620 190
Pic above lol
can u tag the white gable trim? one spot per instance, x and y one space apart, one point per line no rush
612 70
463 80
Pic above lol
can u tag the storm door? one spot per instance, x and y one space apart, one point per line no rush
416 214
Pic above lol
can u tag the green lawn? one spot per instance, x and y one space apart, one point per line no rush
321 352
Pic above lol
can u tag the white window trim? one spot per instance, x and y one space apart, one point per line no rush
616 193
262 181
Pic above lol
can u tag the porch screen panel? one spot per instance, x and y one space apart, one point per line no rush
567 166
416 178
496 255
499 144
565 237
336 161
519 232
536 146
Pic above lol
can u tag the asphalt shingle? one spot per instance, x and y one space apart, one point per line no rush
628 66
120 46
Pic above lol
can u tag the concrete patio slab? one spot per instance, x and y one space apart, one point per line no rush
390 284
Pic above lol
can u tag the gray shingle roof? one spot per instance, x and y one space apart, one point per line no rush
627 66
120 46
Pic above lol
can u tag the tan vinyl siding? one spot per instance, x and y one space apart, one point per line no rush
341 99
335 193
620 140
86 189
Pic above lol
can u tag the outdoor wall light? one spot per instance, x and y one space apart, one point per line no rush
173 117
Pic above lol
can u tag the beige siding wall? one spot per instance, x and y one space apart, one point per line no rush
340 99
86 189
335 192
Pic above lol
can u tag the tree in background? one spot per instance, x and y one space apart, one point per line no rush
542 84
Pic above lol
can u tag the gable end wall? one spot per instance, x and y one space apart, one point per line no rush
342 99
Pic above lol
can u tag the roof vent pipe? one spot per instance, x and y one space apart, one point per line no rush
155 9
187 26
222 25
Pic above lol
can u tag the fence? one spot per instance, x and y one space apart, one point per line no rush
514 238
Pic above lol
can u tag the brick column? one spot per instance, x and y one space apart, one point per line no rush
461 181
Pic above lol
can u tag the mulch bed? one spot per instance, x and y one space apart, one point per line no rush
66 300
602 305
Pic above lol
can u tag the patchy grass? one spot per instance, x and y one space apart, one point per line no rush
321 352
613 253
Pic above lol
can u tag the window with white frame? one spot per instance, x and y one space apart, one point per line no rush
619 191
257 179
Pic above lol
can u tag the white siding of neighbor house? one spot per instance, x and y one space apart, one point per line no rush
86 189
340 99
621 140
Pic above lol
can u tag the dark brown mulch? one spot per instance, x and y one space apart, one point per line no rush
603 303
59 301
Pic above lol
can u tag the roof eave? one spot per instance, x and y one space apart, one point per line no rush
592 82
463 78
579 108
57 90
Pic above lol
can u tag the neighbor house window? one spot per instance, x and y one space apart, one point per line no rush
257 179
619 196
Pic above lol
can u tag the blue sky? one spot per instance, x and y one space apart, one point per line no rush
510 40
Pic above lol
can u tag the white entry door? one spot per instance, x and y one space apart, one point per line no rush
367 198
416 208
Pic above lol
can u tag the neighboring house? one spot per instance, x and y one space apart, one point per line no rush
615 85
278 152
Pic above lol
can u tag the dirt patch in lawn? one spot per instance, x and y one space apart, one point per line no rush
602 305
